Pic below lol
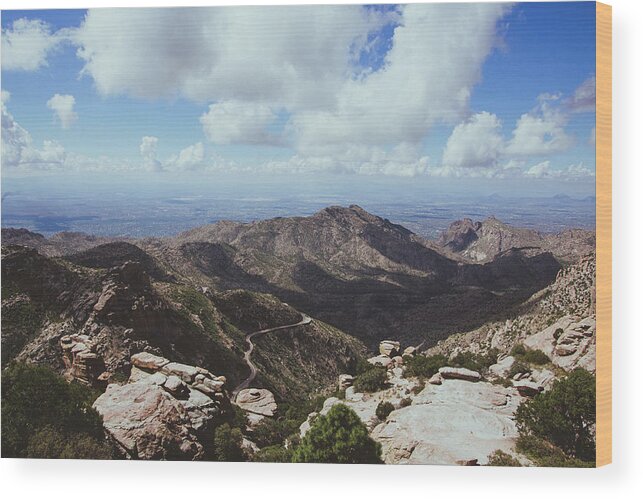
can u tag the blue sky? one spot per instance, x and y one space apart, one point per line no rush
419 90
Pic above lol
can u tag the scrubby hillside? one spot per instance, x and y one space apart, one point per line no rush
124 310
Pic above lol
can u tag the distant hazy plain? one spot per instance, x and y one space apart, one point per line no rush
160 205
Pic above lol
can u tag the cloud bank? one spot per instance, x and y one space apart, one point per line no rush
297 78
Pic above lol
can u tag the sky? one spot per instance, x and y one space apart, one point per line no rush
500 92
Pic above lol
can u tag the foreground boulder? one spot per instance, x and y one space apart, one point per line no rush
451 423
459 373
158 414
381 361
146 422
257 402
501 368
390 348
457 422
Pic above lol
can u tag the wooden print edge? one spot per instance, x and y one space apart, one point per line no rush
603 234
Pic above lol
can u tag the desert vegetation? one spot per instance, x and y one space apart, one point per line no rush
44 416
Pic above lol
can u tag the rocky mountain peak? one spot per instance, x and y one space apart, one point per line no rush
482 242
460 234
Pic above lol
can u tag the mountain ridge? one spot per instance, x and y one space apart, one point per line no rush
357 271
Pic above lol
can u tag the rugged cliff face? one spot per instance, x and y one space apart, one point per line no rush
570 298
485 241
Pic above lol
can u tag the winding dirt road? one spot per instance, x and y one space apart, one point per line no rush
246 355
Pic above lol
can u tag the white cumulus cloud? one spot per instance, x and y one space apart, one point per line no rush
18 150
190 158
547 171
63 107
26 44
477 142
233 122
148 148
278 55
426 78
254 64
540 132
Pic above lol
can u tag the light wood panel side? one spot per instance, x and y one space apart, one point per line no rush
603 234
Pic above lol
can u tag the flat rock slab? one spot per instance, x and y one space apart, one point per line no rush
459 373
257 401
502 368
455 421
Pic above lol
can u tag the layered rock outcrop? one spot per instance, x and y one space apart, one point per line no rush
570 342
165 411
81 361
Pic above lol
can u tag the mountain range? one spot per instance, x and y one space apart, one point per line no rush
193 297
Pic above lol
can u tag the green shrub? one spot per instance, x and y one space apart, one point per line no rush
545 454
405 402
20 322
338 437
537 357
423 367
237 417
45 443
475 362
518 350
371 381
558 333
43 415
383 409
506 382
227 444
271 431
273 454
299 412
564 415
48 443
501 458
363 366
